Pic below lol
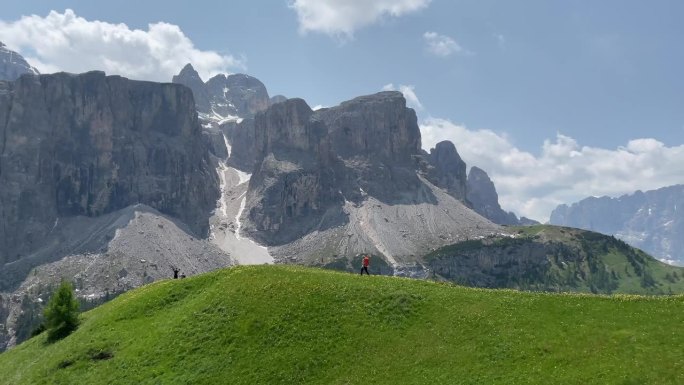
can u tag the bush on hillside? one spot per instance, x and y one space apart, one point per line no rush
61 314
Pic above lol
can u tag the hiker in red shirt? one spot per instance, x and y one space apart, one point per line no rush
365 263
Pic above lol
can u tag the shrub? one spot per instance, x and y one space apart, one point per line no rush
61 314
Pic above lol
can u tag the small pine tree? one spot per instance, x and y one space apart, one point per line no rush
61 314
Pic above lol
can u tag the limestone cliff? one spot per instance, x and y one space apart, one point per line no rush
91 144
309 163
448 170
482 194
352 178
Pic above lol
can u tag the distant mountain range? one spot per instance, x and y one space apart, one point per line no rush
651 220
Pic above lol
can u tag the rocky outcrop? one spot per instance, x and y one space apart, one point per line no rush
290 189
310 163
226 107
482 194
648 220
242 136
91 144
13 65
448 170
277 99
191 79
225 98
237 94
350 175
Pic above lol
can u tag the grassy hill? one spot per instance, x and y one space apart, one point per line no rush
292 325
553 258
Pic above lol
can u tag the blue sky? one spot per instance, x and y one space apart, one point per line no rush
590 93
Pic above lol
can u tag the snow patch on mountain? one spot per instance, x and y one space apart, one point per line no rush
243 176
228 147
238 224
226 222
216 118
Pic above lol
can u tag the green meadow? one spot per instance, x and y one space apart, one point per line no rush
296 325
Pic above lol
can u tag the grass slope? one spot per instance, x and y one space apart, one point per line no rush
295 325
553 258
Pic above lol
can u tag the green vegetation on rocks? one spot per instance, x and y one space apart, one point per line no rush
552 258
295 325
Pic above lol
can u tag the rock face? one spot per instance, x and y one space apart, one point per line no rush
225 98
277 99
91 144
310 163
449 170
242 138
226 107
13 65
191 79
351 179
481 193
648 220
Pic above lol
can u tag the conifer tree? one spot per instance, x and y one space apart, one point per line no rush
61 314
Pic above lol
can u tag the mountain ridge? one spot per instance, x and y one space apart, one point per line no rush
647 220
552 258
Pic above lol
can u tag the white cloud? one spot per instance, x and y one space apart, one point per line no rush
67 42
341 18
563 172
441 45
409 94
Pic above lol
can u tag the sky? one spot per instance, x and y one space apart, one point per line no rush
557 101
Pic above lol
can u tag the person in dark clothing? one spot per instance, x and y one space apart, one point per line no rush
364 264
175 272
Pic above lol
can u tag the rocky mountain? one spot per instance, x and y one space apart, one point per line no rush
482 195
319 187
332 183
447 170
13 65
648 220
79 156
329 184
222 103
91 144
225 98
